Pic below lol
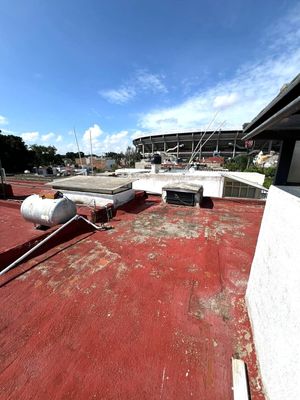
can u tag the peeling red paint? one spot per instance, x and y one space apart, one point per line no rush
153 309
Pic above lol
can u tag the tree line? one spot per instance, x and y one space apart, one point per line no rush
16 156
244 163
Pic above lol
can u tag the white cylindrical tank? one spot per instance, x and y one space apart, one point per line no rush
47 212
155 168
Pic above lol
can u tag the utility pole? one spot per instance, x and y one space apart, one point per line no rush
78 148
91 152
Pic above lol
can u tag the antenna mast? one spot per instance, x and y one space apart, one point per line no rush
200 140
91 152
80 160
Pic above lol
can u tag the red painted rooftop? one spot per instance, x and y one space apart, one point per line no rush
152 309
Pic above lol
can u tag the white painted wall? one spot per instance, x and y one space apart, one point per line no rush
273 295
212 182
100 199
254 177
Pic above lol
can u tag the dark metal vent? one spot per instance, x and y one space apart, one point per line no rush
180 198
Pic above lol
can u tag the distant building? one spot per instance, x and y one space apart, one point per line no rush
99 163
226 143
213 162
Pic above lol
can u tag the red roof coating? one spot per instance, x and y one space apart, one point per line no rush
153 309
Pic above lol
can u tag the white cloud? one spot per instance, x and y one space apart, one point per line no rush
9 132
285 32
240 98
119 96
188 84
104 142
93 132
227 100
185 115
47 137
116 142
141 82
115 138
70 147
137 133
3 120
30 136
150 82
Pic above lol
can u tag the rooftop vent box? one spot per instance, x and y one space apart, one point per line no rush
184 194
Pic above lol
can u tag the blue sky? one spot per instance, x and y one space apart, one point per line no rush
129 67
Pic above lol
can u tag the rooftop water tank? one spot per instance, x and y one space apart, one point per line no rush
156 159
47 212
155 163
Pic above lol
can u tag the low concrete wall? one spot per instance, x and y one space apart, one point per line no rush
254 177
100 199
212 182
273 295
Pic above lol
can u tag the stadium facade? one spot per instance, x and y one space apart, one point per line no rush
226 143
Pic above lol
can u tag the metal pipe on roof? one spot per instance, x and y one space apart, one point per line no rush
289 109
75 218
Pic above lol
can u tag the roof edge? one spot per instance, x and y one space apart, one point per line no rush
286 95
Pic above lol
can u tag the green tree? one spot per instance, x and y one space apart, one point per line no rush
131 156
72 156
242 163
238 163
111 155
14 154
45 155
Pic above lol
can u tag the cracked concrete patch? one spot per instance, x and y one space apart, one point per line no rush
218 304
160 226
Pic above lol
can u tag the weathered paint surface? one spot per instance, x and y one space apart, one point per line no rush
153 309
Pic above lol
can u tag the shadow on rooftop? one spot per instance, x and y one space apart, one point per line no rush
139 204
207 202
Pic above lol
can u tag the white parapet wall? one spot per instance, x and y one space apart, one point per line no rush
100 199
273 295
212 182
253 177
